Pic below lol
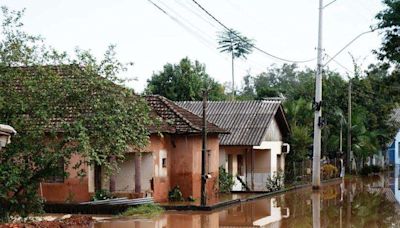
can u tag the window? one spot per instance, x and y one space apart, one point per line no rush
164 162
58 176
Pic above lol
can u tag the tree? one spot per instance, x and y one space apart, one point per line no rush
184 81
60 106
247 92
299 114
237 45
389 21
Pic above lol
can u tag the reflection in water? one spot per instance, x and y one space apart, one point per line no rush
258 213
316 209
355 203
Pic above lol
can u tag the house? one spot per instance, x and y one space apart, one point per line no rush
172 158
255 149
392 153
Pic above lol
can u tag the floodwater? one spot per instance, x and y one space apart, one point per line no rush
367 202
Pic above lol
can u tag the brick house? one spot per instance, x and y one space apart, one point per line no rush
172 157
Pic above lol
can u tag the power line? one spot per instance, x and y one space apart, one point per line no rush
181 3
198 34
255 47
329 4
348 44
339 64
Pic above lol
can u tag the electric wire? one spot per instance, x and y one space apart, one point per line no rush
254 46
198 31
339 64
205 40
347 45
181 3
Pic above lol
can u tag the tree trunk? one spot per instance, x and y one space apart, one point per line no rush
138 167
233 77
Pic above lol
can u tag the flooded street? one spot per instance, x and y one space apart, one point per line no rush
367 202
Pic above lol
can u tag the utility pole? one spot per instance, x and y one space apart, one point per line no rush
318 122
204 150
349 130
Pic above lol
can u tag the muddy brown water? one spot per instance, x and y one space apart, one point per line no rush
359 202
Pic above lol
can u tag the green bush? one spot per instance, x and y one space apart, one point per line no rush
148 210
102 194
369 169
275 181
225 181
175 195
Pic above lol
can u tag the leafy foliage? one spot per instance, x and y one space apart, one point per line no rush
146 210
175 194
235 43
239 46
370 169
275 181
184 81
225 180
389 21
102 194
60 106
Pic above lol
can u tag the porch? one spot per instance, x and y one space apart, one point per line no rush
133 179
251 166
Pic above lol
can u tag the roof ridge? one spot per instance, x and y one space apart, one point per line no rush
236 101
168 102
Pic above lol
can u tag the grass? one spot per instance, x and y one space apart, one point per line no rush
146 210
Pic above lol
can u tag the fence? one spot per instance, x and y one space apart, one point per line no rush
300 172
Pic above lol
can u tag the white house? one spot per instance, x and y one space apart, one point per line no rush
255 148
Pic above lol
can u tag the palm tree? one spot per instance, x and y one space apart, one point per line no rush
239 46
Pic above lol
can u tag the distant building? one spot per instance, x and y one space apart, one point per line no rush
255 149
392 153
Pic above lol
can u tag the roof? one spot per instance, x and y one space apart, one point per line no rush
176 119
65 72
247 121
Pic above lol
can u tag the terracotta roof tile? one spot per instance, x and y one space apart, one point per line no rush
178 119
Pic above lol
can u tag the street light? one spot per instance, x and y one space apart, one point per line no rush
6 132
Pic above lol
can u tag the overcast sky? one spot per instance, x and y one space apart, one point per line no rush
149 38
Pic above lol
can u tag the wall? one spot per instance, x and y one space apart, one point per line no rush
161 148
183 160
186 159
125 176
396 149
273 132
262 161
275 148
73 189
